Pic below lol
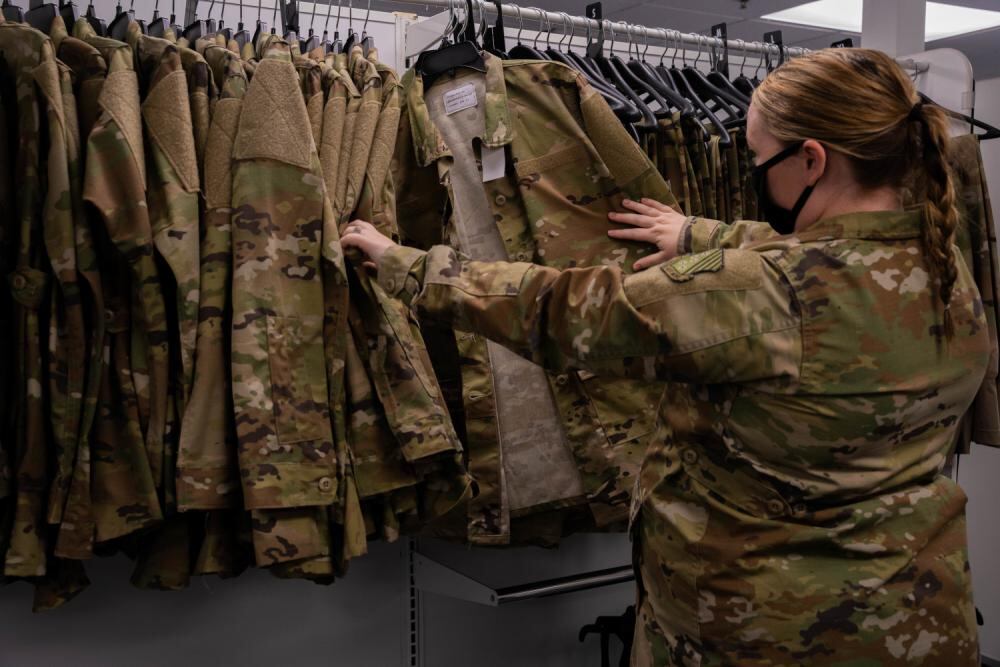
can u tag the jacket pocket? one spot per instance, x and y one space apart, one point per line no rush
626 409
298 378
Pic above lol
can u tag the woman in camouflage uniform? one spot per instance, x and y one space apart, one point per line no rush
791 510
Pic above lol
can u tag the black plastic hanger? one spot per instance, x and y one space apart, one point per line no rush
741 82
311 41
522 51
615 71
261 28
325 41
587 66
685 88
351 37
494 40
241 36
666 99
290 20
12 12
157 26
463 54
118 28
40 15
367 41
220 27
989 131
96 22
708 91
662 81
69 12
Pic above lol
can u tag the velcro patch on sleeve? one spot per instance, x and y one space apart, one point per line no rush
684 268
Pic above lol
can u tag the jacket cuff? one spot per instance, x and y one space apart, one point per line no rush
399 274
698 235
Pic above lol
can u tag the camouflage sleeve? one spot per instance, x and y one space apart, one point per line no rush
717 316
701 234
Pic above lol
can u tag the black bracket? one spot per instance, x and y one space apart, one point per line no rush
595 48
290 16
774 37
721 63
846 43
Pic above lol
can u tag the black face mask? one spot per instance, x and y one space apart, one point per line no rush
782 219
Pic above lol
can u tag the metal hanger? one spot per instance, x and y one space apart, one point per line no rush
684 84
261 26
158 25
195 29
367 41
494 39
242 35
654 91
311 41
349 42
221 29
522 51
618 103
741 82
609 66
289 20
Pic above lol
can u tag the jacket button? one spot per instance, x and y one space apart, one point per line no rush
500 200
521 257
390 284
690 456
799 508
775 506
325 484
18 281
562 379
109 315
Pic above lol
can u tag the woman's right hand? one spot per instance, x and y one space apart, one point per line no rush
654 223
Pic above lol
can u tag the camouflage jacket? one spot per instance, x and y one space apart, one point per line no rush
289 317
38 222
564 162
808 431
207 476
121 480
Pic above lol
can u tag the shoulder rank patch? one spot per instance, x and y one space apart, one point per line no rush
684 268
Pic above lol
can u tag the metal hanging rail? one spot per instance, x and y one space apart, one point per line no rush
673 38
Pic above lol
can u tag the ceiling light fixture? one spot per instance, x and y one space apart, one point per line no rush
845 16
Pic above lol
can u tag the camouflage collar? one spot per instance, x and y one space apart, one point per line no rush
427 141
869 225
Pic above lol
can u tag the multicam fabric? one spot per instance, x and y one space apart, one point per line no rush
568 162
790 507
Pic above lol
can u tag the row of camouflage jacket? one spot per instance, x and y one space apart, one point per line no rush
192 373
195 376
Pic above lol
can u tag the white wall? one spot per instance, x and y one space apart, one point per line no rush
979 472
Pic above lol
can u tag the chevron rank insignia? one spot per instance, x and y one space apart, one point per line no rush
684 268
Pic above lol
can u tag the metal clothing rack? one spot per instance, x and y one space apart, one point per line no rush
673 38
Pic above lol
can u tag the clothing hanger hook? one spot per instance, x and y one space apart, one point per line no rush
743 46
610 27
666 44
368 13
645 42
326 23
673 39
564 26
520 22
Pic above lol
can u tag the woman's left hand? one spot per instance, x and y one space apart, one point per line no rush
363 236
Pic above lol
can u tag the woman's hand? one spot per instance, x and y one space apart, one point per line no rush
654 223
363 236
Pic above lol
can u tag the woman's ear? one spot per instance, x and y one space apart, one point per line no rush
815 155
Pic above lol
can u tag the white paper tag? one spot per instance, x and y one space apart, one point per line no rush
494 163
463 97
